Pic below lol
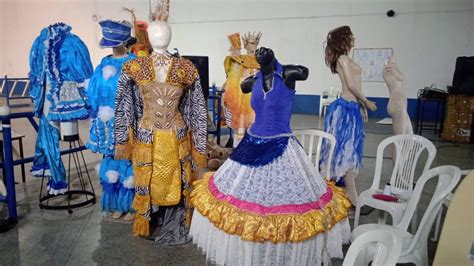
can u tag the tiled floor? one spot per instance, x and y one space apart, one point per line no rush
86 237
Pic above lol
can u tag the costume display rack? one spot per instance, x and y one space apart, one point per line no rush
14 89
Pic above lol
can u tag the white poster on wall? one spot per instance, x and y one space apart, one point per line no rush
372 60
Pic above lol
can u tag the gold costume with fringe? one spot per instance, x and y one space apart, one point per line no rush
162 127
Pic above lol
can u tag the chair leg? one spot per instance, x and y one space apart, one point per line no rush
22 156
414 221
357 215
438 224
382 217
362 259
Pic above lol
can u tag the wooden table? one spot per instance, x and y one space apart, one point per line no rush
458 229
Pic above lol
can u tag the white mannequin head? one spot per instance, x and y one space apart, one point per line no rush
159 34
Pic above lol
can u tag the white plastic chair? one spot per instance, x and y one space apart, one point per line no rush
304 135
408 149
415 246
388 249
326 98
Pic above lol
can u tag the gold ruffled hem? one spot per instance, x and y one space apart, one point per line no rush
275 228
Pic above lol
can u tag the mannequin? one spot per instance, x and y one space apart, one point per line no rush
116 176
60 68
267 198
397 104
161 125
238 113
291 73
344 118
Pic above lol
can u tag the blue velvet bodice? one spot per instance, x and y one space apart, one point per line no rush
272 108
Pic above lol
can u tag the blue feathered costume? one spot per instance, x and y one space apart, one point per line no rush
116 176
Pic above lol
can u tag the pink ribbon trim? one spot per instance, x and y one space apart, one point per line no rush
265 210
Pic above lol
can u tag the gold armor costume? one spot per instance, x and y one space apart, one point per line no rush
162 127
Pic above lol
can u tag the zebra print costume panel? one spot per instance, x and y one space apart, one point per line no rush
227 116
128 109
146 136
193 108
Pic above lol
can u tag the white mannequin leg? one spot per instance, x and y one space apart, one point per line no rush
351 187
399 122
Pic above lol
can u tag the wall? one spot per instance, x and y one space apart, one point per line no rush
426 35
2 39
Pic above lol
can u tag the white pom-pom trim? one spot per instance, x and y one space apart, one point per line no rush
129 182
112 176
108 71
105 113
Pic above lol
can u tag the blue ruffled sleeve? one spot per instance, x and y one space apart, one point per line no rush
75 60
93 90
36 72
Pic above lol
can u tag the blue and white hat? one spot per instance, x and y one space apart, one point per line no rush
114 33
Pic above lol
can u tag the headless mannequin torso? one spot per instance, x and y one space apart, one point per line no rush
397 104
266 59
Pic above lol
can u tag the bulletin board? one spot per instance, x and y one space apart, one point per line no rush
372 60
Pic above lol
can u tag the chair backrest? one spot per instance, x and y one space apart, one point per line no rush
334 93
307 139
448 178
388 248
408 149
331 94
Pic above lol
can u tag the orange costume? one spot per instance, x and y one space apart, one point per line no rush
238 68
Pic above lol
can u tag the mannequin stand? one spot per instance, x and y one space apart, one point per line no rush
72 198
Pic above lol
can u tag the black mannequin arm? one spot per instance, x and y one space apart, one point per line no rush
293 73
247 85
